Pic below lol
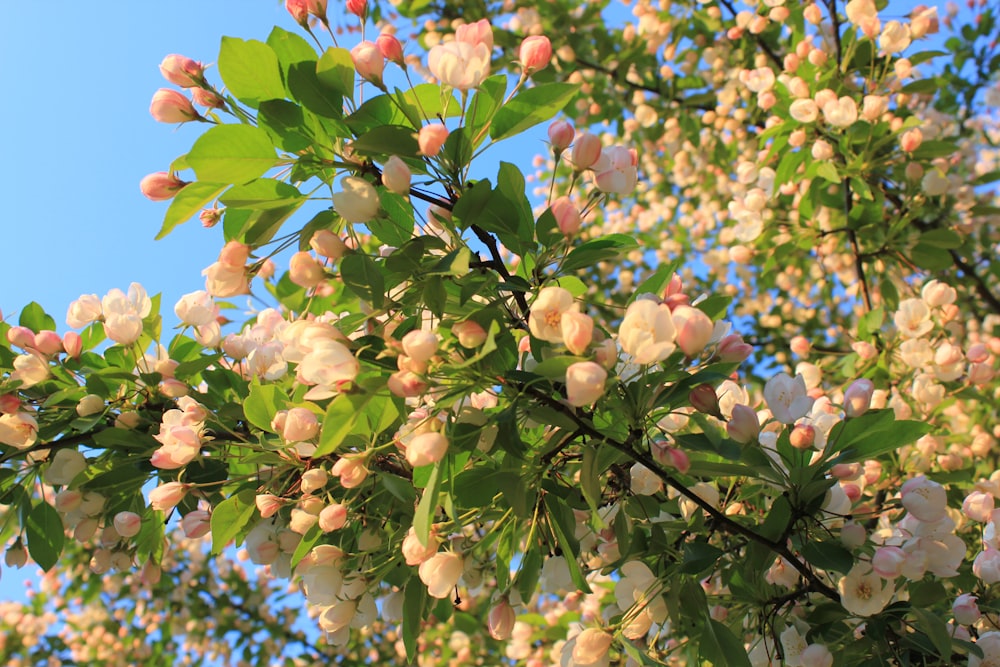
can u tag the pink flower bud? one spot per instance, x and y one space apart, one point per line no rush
535 53
351 470
299 10
317 8
391 48
426 448
182 71
68 500
561 135
733 349
48 343
704 399
396 176
72 342
911 140
300 424
161 186
333 517
577 331
170 106
743 426
369 62
305 271
853 535
150 573
196 524
585 383
965 609
327 244
470 334
800 346
128 524
586 151
357 7
420 345
268 504
858 398
802 436
207 98
406 384
22 337
694 329
314 480
166 496
501 619
431 138
91 404
888 562
567 215
978 506
9 404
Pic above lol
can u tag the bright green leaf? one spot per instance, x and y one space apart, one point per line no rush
232 154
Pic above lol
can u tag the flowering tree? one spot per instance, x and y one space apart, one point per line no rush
475 422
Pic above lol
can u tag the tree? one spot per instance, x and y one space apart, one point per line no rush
561 434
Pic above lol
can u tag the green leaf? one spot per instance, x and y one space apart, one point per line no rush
290 47
320 98
341 416
828 171
828 556
262 194
361 275
34 317
563 524
485 103
387 140
335 70
250 71
424 516
531 107
721 647
262 404
44 530
414 605
935 629
873 433
603 249
232 154
941 238
187 203
930 257
285 123
230 517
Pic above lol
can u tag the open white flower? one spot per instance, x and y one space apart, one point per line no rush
787 398
864 593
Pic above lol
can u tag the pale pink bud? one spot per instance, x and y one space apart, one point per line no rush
924 499
584 383
48 343
732 348
357 7
327 244
802 436
210 100
68 500
182 71
561 135
965 609
821 150
166 496
150 573
391 48
586 151
501 619
91 404
128 524
567 215
196 524
170 106
978 506
73 344
406 384
743 426
396 176
431 138
305 271
426 448
100 562
987 566
923 21
606 354
694 329
853 535
441 572
369 62
16 555
420 345
160 186
333 517
317 8
351 470
858 398
416 553
864 350
300 521
888 562
704 399
470 334
591 646
22 337
800 346
535 53
911 140
299 424
577 331
314 480
268 504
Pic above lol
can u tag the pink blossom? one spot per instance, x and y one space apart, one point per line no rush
615 170
170 106
161 186
391 48
431 138
369 62
585 381
196 524
426 448
535 53
182 71
441 572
